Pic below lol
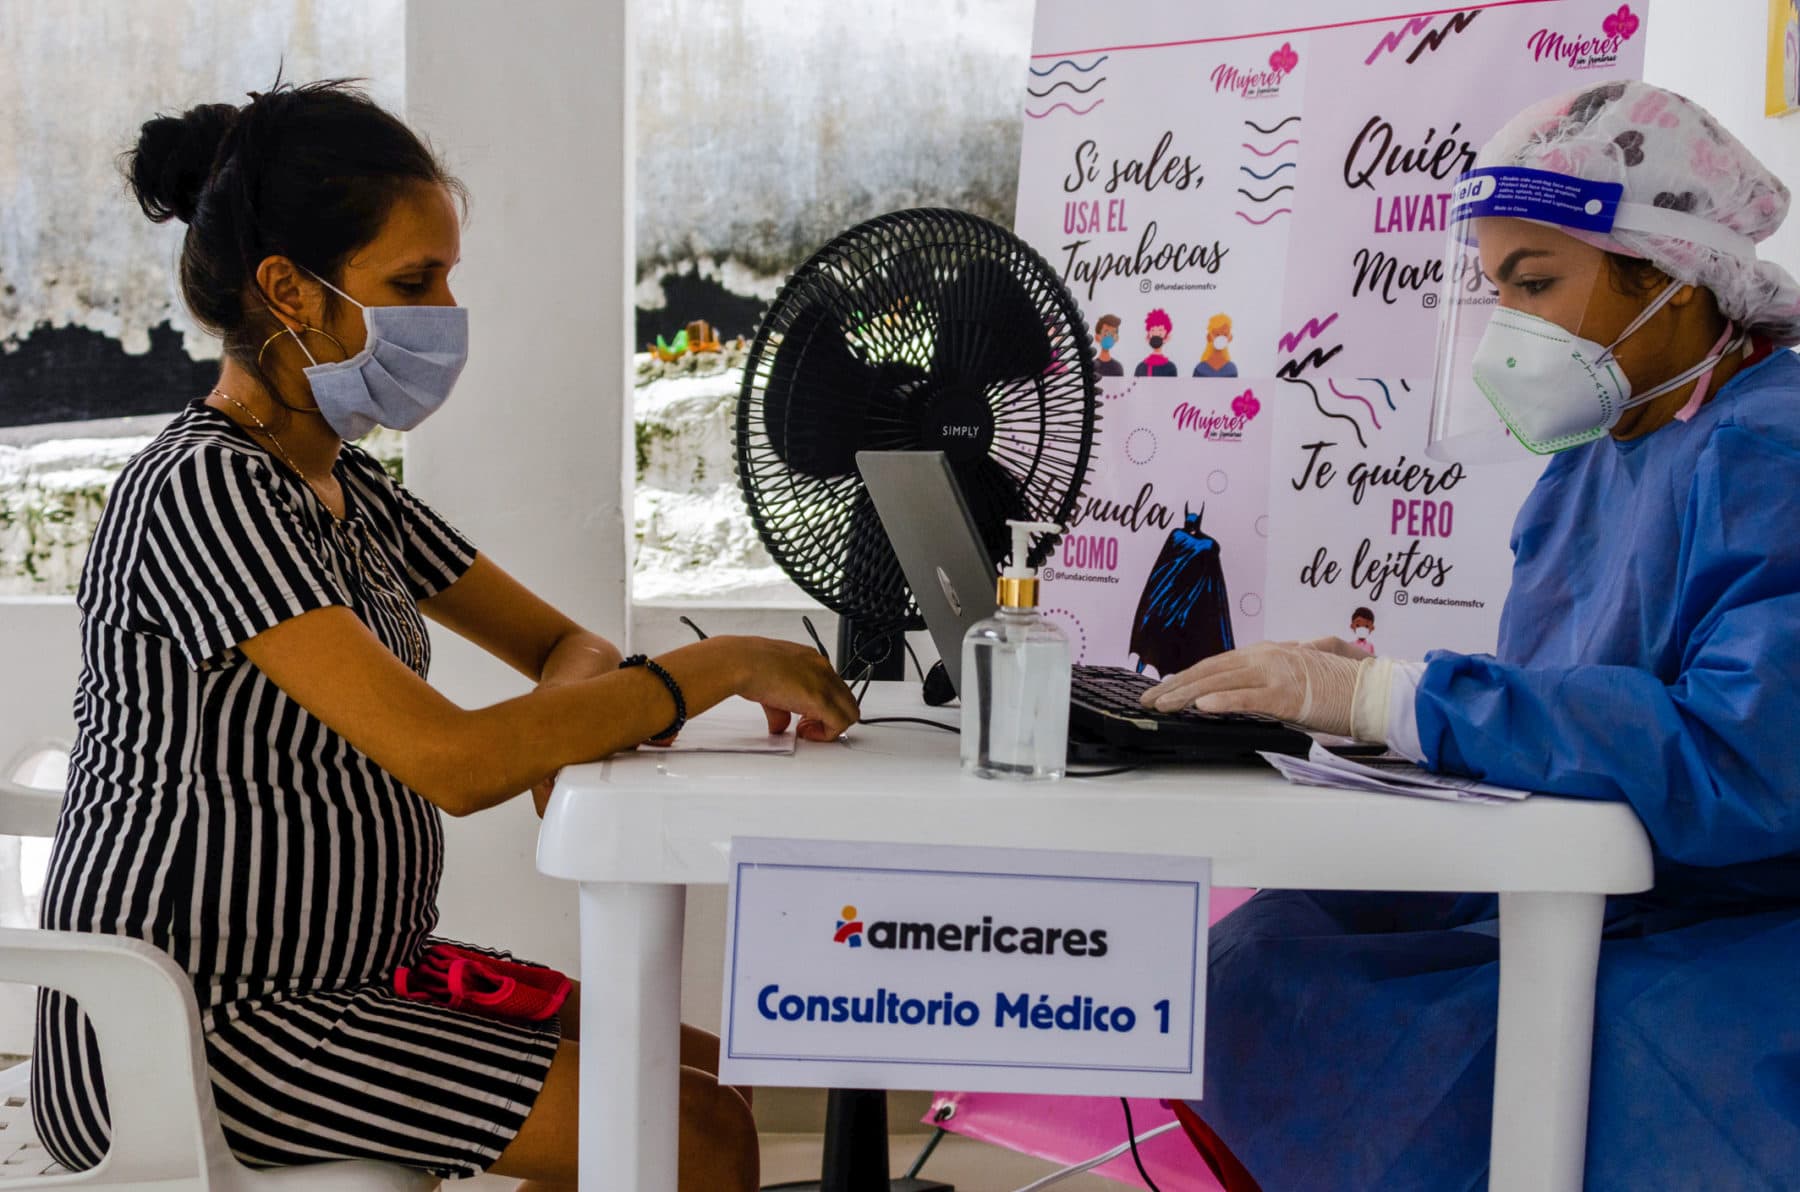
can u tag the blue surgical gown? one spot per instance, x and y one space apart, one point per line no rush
1649 653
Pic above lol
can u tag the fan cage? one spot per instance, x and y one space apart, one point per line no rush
883 284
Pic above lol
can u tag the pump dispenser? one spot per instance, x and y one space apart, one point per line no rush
1015 696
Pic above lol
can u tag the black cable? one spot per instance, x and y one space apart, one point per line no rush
1131 1134
698 632
814 634
869 664
949 728
915 657
1101 773
937 1136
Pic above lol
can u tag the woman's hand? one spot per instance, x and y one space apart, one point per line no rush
791 680
576 657
1302 685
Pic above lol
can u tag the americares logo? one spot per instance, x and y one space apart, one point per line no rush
849 929
1585 51
890 935
1256 83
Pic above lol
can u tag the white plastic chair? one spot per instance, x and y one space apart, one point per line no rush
165 1127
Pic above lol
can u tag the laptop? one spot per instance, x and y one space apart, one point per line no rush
953 580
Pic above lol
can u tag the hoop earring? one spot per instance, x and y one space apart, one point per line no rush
345 352
270 385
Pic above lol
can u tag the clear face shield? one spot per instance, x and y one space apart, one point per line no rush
1518 368
1511 347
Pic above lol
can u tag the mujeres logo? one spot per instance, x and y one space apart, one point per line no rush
1215 424
1586 51
1256 83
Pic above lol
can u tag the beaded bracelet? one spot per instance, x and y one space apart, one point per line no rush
668 681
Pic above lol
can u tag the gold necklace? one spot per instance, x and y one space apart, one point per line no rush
391 587
271 436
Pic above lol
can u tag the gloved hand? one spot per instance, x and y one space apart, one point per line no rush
1299 684
1339 646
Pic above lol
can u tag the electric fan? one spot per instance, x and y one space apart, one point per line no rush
925 330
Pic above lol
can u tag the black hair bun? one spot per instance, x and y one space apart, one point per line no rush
175 156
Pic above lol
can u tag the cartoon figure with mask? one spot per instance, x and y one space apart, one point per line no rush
1158 330
1362 627
1217 360
1106 335
1648 654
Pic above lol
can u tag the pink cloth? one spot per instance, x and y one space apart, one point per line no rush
1067 1130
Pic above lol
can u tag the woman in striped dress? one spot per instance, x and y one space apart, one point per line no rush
260 767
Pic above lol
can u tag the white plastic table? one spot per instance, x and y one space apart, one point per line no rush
634 831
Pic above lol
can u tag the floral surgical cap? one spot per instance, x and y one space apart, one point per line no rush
1668 153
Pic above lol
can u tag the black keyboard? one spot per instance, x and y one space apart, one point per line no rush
1115 691
1104 711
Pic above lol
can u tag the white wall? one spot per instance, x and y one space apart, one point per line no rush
77 77
530 106
1712 51
771 125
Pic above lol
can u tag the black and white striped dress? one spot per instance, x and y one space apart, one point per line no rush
214 817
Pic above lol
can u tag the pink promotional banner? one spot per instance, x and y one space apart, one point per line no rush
1071 1130
1249 203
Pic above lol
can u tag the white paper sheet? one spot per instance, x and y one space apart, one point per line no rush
735 726
1387 775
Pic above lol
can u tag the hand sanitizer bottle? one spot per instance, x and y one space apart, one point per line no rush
1015 679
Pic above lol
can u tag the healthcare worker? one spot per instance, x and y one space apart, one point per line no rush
1649 653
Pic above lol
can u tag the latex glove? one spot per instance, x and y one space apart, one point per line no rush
1299 684
1342 647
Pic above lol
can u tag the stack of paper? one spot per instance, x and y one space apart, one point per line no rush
1389 775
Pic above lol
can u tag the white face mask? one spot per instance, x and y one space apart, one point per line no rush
411 357
1362 633
1556 390
1221 342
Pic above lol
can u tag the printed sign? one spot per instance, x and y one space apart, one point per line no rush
991 970
1781 86
1252 207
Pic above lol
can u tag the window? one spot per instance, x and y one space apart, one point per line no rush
763 131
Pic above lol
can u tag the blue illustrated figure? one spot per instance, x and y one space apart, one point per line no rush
1184 614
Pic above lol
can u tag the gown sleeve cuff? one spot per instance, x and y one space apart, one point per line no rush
1402 711
1382 708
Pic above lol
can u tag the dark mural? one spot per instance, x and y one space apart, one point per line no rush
72 374
690 297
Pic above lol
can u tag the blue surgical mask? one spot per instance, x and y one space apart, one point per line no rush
1107 342
405 371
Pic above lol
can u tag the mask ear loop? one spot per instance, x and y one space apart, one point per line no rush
311 360
1716 354
1704 369
1644 316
